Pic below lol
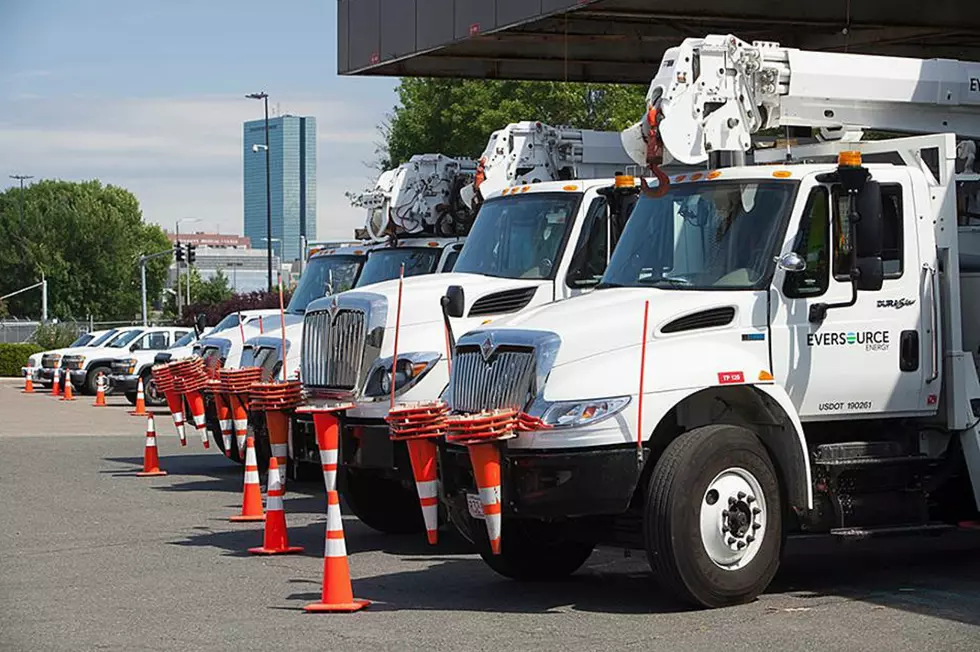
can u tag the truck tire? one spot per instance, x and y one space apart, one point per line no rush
381 503
90 387
535 551
713 517
131 397
151 396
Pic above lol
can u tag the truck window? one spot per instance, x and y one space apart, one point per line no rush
151 342
892 260
813 245
589 259
451 259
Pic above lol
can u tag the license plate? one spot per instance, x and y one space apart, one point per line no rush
474 505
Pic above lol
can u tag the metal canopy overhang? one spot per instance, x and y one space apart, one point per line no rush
623 40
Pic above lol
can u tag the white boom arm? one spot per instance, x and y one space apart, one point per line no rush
711 94
435 194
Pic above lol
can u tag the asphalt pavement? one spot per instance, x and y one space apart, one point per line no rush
94 558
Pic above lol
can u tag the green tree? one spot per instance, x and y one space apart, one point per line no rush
86 239
214 290
456 116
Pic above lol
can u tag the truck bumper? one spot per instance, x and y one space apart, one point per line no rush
34 372
364 444
123 383
78 377
543 484
46 374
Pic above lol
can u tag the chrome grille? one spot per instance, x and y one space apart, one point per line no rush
50 361
506 380
333 352
71 363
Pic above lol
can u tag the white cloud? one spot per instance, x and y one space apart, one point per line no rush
182 156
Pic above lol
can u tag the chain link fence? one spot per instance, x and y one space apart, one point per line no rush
14 330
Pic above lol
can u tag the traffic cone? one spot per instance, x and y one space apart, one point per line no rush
275 540
56 384
196 404
29 381
239 420
224 421
277 423
252 496
485 458
100 392
327 427
176 404
140 410
422 453
151 462
67 395
337 595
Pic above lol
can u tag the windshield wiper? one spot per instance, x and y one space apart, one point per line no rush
673 282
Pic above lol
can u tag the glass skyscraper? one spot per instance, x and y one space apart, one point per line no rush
292 172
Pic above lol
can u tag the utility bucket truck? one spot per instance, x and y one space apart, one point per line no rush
782 348
550 211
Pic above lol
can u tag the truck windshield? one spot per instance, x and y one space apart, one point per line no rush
104 338
186 340
325 275
384 264
228 321
125 338
82 340
520 236
704 236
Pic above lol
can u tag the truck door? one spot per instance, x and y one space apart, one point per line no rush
864 359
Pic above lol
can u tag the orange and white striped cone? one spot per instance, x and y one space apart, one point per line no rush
68 394
275 540
485 458
151 461
140 410
56 382
196 404
239 420
327 427
224 421
277 423
422 453
99 391
338 594
29 381
252 495
175 402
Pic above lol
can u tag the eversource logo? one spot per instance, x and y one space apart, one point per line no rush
870 340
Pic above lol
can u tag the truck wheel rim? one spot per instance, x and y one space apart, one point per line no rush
733 518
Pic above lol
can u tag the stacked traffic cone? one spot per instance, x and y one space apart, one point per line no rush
29 381
99 391
277 400
56 384
68 394
235 384
275 541
327 427
338 594
223 409
482 434
164 381
140 410
189 380
252 495
151 461
418 425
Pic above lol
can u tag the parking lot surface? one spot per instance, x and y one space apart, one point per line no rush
94 558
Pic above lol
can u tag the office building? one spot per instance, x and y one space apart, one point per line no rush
292 173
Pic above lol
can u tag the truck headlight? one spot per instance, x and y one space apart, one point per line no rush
130 365
410 369
570 414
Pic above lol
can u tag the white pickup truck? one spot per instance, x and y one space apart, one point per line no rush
85 364
43 364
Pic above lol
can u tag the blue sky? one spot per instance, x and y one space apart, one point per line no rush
148 94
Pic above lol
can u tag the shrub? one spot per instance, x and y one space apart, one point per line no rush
54 336
14 356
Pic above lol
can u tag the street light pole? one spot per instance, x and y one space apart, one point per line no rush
21 178
268 190
177 229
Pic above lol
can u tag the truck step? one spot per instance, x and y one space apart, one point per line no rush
856 533
864 453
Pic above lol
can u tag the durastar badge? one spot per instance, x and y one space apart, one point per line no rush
487 347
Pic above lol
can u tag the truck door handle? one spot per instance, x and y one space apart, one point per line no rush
908 357
934 322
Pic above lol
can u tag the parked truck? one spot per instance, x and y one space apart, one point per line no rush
550 209
808 327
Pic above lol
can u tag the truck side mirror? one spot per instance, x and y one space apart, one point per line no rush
868 238
454 301
200 323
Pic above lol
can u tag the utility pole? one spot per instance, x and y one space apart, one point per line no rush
21 178
143 260
268 191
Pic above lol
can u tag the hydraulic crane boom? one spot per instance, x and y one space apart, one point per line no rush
711 94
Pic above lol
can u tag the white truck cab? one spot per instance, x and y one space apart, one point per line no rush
87 363
43 364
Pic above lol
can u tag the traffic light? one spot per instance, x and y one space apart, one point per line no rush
179 252
191 254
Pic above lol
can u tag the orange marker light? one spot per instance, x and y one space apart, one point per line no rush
433 244
570 188
504 191
782 174
849 158
625 181
680 177
714 174
765 375
525 188
696 176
